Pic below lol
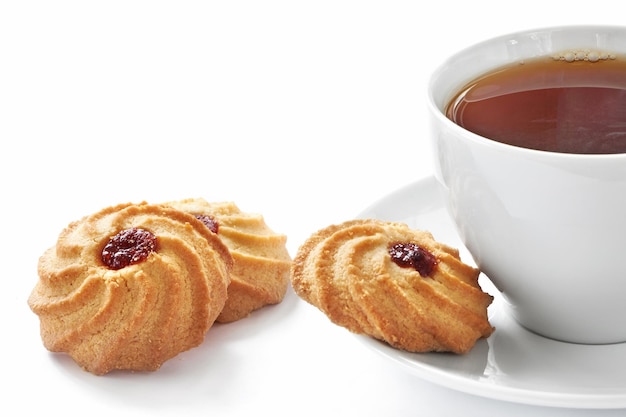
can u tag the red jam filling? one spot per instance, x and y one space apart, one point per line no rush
209 221
410 255
128 247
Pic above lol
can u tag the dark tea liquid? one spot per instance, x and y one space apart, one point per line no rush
561 104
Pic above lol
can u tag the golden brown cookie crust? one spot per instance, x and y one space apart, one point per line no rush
345 270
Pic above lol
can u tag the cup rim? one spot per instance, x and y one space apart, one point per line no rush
504 147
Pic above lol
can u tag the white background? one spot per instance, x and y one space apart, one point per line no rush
304 111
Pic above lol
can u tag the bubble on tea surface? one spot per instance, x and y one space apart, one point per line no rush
589 55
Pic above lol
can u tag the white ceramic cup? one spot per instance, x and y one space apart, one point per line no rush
548 229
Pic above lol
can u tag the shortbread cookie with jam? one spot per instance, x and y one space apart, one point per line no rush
393 283
261 262
130 287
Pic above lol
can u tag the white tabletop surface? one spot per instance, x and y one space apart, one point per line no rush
306 112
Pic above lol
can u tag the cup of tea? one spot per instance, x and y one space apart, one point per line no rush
529 137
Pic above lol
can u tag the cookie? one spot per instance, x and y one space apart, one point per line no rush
130 287
393 283
261 262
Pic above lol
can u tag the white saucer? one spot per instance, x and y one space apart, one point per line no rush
513 364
